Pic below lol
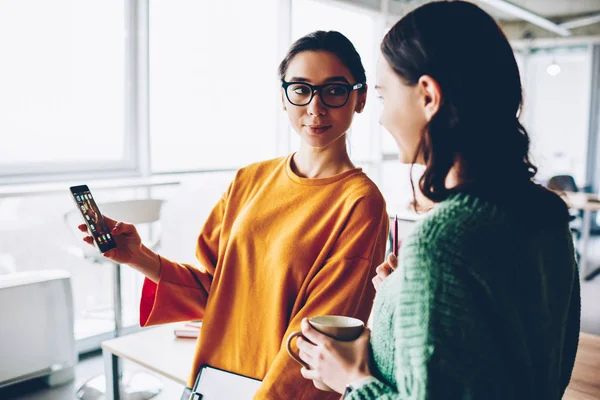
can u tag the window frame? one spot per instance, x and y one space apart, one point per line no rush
133 142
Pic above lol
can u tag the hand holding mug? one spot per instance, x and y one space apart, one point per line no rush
326 343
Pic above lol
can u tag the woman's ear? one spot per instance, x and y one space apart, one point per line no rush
283 100
362 99
431 96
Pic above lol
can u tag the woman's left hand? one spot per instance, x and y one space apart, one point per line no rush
333 362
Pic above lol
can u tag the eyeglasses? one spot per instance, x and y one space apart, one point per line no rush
334 95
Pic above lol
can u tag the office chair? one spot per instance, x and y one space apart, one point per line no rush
566 183
145 212
562 183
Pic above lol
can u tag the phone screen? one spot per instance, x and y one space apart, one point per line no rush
93 218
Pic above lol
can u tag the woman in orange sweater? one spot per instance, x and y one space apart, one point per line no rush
293 237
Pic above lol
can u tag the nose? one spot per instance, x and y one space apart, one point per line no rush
316 106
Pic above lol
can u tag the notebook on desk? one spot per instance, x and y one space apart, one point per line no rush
214 384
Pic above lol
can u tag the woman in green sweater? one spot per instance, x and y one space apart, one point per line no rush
486 302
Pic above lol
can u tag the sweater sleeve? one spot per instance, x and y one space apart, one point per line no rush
439 334
342 287
182 290
572 330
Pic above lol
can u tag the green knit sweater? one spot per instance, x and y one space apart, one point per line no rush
485 305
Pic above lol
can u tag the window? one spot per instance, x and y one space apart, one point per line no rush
360 26
62 87
213 83
556 110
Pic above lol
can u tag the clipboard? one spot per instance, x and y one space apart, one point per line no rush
217 384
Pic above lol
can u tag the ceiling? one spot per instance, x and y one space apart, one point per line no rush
553 9
559 8
557 11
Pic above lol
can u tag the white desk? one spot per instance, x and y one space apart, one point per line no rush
156 349
588 203
160 351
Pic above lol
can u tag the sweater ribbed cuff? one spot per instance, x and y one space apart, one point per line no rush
373 389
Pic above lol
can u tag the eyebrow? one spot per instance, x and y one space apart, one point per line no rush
331 79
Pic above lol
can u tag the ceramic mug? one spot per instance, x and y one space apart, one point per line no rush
337 327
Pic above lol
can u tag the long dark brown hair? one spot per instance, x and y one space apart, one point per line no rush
463 49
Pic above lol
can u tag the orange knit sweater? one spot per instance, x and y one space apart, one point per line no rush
275 249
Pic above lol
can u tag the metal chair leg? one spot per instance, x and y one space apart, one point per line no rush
120 386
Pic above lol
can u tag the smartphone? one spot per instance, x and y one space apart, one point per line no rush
93 218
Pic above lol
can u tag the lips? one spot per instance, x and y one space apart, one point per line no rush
318 129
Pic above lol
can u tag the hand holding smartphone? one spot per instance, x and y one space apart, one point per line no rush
102 230
93 218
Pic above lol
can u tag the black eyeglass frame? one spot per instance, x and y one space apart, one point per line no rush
319 89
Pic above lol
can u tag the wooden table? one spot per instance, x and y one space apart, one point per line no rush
585 381
154 348
588 203
160 351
